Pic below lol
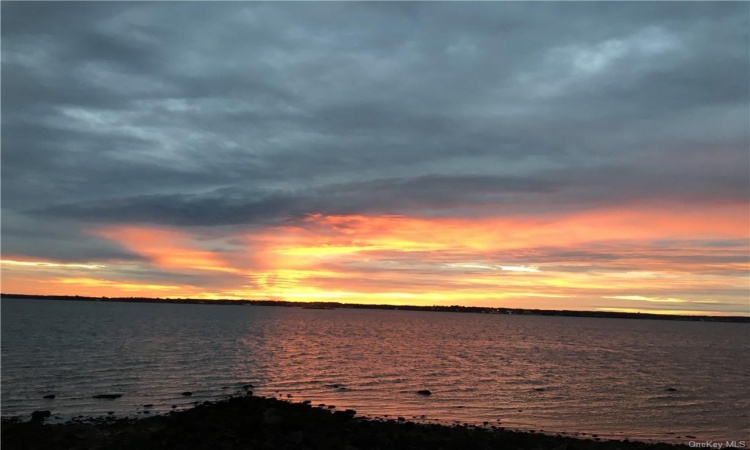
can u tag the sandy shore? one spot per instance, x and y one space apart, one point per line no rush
263 423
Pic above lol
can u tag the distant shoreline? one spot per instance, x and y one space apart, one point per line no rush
336 305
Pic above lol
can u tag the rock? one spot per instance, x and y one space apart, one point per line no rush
347 414
108 396
671 389
401 419
424 392
272 416
295 439
110 412
187 393
539 389
331 406
248 386
149 405
50 396
39 416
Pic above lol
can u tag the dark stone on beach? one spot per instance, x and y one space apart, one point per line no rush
108 396
272 416
345 415
331 406
248 386
39 416
424 392
50 396
294 440
110 412
671 389
148 405
187 393
539 389
401 419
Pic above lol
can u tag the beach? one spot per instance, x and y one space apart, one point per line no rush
251 422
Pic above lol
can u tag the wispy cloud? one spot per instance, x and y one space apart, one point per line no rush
557 155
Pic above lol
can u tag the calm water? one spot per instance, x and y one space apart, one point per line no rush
602 376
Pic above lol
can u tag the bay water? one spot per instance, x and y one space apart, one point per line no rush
614 378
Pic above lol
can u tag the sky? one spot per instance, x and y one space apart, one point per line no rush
581 156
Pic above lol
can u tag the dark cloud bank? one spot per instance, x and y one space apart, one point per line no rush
249 113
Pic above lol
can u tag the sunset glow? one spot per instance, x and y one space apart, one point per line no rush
594 163
586 261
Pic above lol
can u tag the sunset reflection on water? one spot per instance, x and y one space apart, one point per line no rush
605 376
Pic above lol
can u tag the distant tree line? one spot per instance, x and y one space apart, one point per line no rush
334 305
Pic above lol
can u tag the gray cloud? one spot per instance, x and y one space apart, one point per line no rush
248 113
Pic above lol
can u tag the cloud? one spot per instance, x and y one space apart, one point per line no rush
232 116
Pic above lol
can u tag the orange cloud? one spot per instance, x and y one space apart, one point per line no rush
408 260
169 249
592 260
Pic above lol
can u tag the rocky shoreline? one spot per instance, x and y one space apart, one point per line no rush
250 422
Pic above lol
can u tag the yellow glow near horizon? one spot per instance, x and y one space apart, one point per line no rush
648 299
38 264
671 312
609 258
114 284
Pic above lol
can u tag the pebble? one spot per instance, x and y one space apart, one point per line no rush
108 396
39 416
